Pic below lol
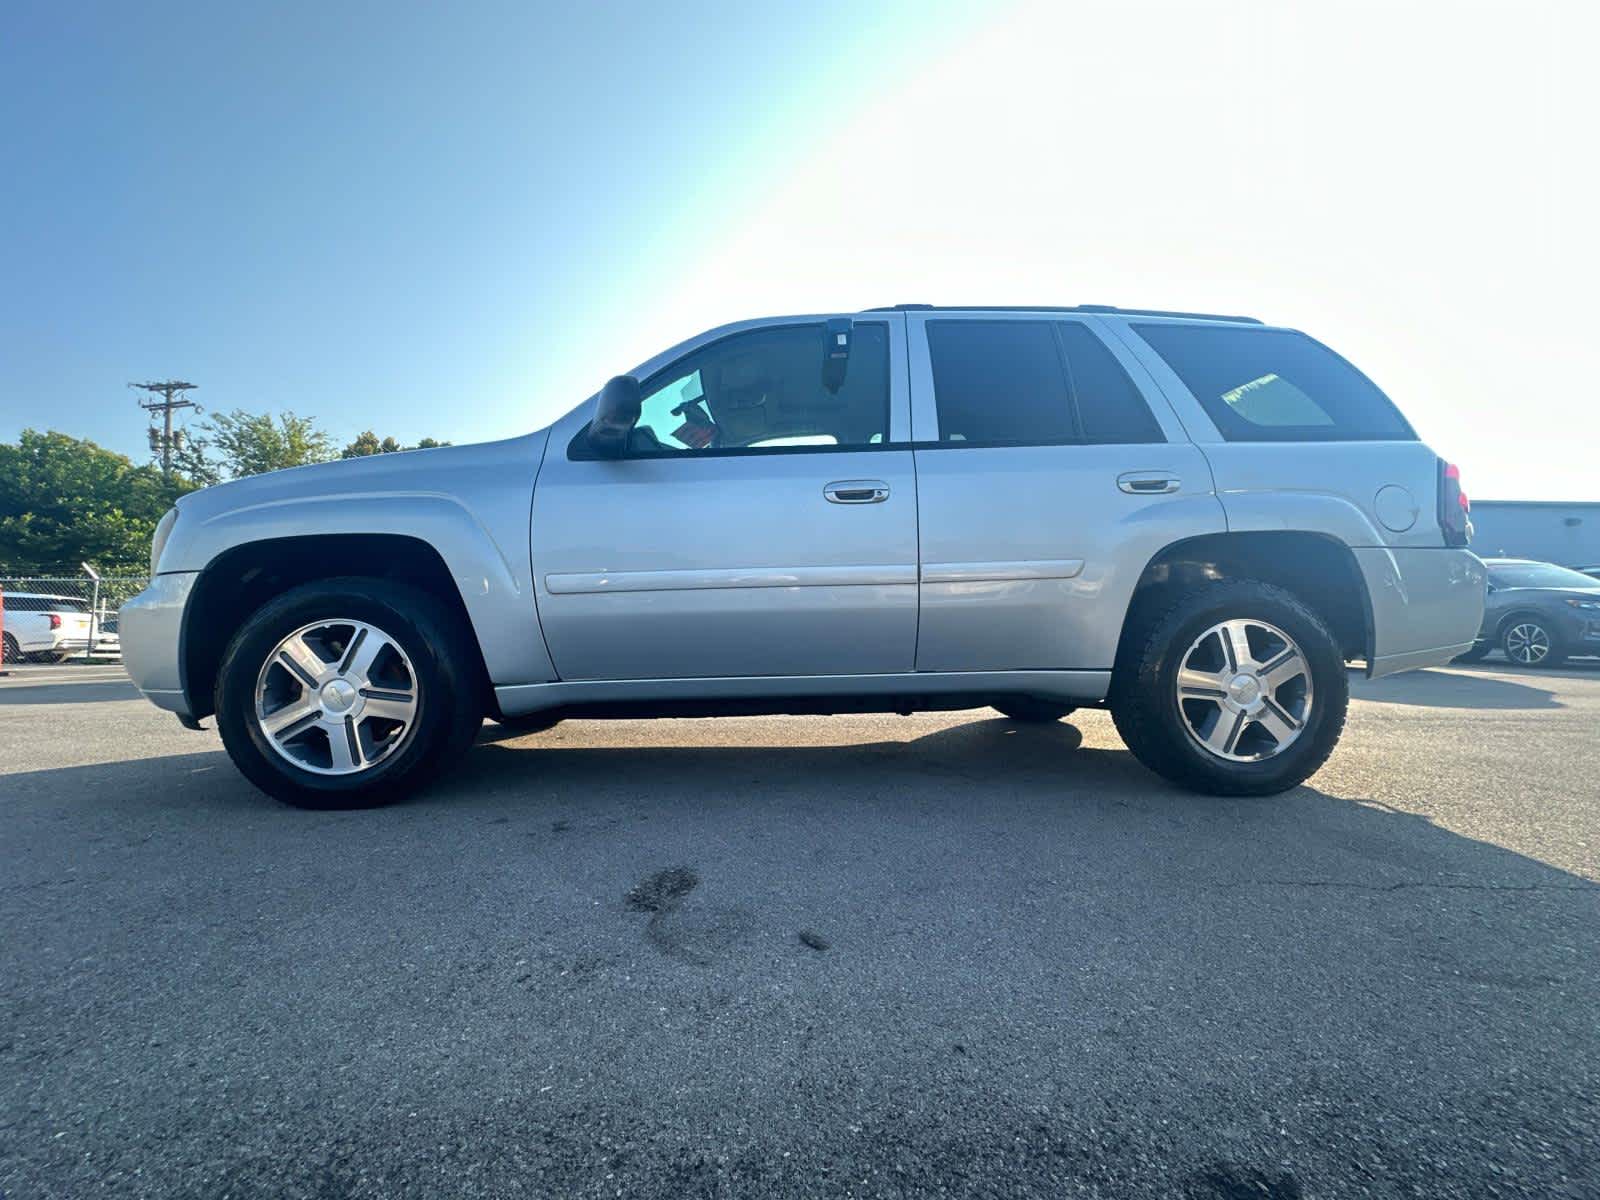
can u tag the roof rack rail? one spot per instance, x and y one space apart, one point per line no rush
1109 309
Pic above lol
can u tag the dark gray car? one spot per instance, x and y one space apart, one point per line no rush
1538 613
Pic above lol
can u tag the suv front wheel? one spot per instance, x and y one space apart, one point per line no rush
348 693
1235 688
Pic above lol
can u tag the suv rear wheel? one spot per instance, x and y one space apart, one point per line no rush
1235 689
347 693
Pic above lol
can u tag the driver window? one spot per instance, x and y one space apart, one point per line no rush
764 390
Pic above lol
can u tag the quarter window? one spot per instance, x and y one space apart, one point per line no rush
764 390
1275 385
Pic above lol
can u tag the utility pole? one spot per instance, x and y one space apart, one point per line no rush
166 390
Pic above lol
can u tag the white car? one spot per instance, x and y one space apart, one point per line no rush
38 625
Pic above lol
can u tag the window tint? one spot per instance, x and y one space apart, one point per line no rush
764 390
1110 406
1004 382
1274 385
999 381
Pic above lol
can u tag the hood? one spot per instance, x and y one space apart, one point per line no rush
438 469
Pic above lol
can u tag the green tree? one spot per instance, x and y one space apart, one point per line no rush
367 444
251 443
191 459
65 501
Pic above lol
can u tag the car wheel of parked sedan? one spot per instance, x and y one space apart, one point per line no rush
348 693
1529 642
1032 710
1236 689
10 652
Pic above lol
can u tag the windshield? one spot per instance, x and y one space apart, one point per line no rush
1538 575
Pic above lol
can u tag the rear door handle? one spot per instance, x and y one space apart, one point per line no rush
1148 483
857 491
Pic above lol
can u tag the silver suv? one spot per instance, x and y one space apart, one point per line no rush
1192 520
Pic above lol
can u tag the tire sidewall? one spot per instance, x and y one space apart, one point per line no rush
403 620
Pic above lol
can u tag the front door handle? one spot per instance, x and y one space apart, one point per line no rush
1148 483
857 491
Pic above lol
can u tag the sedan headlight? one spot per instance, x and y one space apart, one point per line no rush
158 543
1591 605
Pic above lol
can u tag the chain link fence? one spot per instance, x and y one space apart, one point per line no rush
63 616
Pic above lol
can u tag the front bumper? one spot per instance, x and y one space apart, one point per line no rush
150 628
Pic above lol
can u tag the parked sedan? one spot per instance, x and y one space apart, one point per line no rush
1537 613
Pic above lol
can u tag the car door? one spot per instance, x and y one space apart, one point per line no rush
1047 479
761 522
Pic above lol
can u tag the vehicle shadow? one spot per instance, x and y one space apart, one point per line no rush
1452 689
1025 942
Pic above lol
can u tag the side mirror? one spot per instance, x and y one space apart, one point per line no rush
616 412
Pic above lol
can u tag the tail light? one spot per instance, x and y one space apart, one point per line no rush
55 620
1455 510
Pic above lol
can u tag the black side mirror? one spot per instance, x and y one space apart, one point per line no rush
616 412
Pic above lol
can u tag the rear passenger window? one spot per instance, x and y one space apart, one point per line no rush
1032 383
999 381
1275 385
1110 406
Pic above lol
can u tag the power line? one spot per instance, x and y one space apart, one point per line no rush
165 406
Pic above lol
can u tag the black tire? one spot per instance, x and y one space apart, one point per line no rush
449 691
10 652
1144 700
1509 641
1478 653
534 722
1033 710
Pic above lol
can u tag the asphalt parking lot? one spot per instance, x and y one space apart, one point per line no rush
942 954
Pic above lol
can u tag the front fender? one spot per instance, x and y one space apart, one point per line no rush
471 505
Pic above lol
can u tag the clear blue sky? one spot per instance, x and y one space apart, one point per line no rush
458 220
400 216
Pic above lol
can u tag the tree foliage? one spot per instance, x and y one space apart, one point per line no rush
243 443
367 444
65 501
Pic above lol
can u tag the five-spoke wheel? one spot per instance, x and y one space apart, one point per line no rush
1236 687
349 692
1244 689
336 696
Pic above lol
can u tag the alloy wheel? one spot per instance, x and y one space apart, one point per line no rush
336 697
1244 690
1527 644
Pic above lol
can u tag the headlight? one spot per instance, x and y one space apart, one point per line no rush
1593 605
158 543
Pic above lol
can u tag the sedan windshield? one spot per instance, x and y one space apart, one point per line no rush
1539 575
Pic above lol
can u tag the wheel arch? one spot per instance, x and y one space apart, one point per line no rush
1318 568
238 581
